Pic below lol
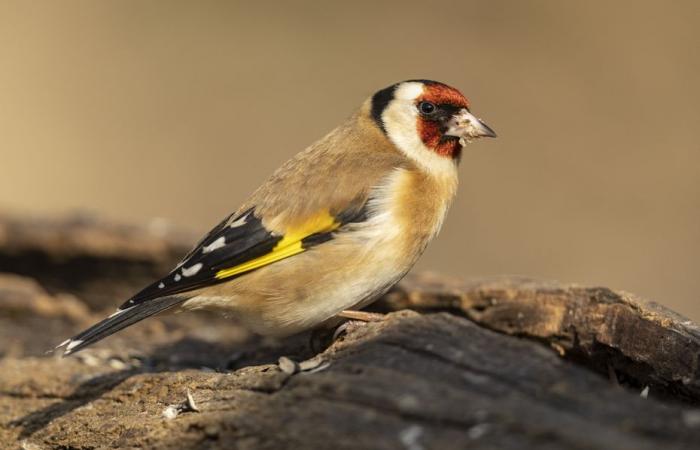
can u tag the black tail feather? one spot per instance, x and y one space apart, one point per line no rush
118 321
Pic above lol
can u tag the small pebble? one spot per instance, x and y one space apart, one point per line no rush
29 446
171 412
288 366
478 430
410 437
117 364
88 359
645 392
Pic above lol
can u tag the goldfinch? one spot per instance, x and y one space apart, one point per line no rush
332 229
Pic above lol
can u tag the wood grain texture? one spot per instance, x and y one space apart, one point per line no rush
507 363
643 342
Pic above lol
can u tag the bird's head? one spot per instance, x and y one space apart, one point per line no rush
427 119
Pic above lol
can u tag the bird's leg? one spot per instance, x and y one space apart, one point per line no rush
362 316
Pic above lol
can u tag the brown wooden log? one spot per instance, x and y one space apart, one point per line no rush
640 342
506 363
101 261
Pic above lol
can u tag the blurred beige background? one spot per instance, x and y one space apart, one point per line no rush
179 110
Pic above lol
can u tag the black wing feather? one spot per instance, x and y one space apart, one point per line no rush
119 321
242 243
247 240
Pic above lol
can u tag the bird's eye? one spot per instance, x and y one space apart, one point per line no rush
426 108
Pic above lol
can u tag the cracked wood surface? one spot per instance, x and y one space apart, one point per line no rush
411 381
644 343
508 363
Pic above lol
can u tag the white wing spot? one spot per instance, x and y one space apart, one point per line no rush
73 344
177 277
161 285
192 270
240 222
214 245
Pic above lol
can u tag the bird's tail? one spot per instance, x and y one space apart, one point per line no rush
118 321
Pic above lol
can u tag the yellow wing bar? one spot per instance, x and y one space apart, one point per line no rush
290 245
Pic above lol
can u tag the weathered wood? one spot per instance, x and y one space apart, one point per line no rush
478 366
434 381
645 344
100 261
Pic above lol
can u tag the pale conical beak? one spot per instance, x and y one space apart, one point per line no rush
468 127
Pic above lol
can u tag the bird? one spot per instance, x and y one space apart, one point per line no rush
332 230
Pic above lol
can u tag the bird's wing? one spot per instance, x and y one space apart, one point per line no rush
241 244
236 246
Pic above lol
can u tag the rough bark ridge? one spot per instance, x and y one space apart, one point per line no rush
486 364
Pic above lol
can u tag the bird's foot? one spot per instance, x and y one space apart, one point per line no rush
356 319
322 337
346 327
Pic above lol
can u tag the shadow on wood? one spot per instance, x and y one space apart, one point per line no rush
476 364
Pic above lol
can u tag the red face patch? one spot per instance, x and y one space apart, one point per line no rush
430 130
431 135
439 94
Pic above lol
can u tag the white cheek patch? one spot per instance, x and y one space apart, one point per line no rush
400 119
